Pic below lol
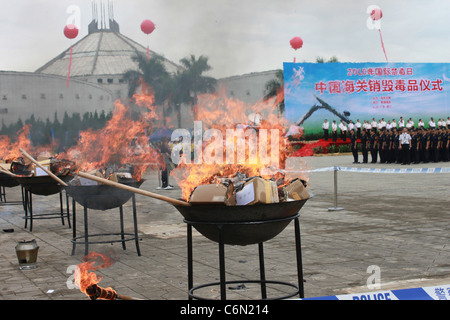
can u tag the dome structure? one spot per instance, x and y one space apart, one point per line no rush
103 52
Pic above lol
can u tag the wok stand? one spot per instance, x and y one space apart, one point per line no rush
243 225
7 181
102 197
44 186
262 281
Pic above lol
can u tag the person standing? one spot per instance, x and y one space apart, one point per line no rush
431 124
354 145
381 145
401 123
373 145
334 130
325 127
405 141
358 129
364 146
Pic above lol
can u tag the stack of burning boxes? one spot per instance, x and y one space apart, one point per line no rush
24 167
241 190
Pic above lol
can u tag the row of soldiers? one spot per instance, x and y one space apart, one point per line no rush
427 145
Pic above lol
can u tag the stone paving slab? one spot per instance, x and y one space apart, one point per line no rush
397 222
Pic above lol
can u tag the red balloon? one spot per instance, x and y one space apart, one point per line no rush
70 31
147 26
296 43
376 14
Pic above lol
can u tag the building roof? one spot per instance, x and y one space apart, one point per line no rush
101 52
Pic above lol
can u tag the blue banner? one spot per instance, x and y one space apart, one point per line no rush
363 91
426 293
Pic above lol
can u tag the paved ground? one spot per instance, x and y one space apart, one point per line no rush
396 222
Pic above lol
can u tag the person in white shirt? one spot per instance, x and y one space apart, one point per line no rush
374 123
325 127
401 123
334 130
408 125
358 129
393 124
432 124
389 125
448 122
404 145
383 123
351 126
421 124
343 128
379 126
412 122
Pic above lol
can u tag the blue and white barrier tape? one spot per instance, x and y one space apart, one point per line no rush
382 170
424 293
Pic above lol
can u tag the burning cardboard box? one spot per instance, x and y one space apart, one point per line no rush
257 190
213 193
295 190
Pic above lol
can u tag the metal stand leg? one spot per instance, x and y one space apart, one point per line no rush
189 256
298 250
67 209
86 232
25 205
122 235
74 227
223 294
136 236
262 271
61 207
30 209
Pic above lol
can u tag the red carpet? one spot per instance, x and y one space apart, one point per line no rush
306 149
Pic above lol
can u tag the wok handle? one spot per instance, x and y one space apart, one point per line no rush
43 168
133 189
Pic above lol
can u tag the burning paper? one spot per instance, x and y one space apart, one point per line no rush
228 141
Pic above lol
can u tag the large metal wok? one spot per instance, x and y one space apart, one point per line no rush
43 185
241 225
238 225
8 180
102 197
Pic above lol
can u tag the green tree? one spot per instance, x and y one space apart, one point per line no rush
191 80
331 60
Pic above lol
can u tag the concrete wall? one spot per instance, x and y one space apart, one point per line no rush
23 94
248 88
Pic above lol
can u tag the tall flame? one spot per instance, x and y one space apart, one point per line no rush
258 123
123 141
84 276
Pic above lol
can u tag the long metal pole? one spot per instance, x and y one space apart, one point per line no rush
335 208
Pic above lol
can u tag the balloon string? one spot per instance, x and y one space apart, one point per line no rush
148 53
382 45
70 65
294 59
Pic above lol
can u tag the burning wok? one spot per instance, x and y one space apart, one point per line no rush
102 197
8 181
241 225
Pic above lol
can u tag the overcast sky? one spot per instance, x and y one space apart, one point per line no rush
237 36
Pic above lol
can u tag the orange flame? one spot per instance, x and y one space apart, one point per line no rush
233 116
93 261
123 140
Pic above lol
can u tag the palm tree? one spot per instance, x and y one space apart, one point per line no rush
275 87
153 73
331 60
191 80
